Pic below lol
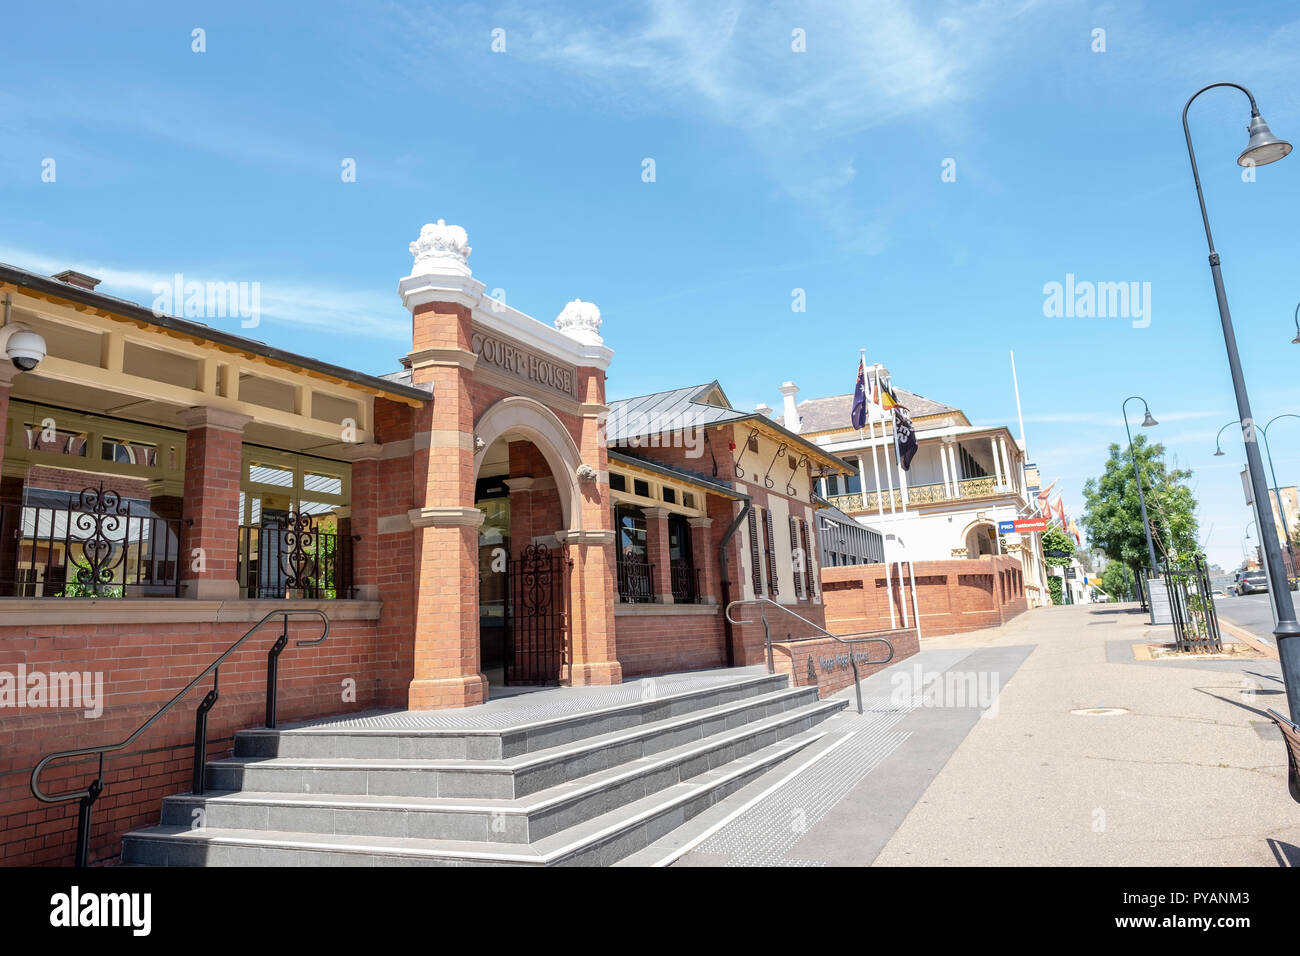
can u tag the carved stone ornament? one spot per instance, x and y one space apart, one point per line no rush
586 473
479 444
581 320
441 250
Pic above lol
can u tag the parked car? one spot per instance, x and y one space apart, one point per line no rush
1253 582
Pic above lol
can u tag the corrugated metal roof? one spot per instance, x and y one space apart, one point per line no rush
828 414
667 411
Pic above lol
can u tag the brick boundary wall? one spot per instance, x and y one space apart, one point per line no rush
661 643
825 663
954 596
144 666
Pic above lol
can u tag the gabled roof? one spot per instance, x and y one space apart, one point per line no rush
833 412
663 411
695 406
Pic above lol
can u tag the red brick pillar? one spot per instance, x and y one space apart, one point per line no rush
521 513
593 578
214 459
661 579
706 565
362 523
446 523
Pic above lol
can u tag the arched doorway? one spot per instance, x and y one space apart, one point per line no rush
526 487
981 540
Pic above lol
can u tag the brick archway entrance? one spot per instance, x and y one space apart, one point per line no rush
524 621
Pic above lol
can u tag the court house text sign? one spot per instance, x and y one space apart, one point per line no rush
521 363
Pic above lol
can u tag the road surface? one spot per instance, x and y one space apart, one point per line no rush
1252 612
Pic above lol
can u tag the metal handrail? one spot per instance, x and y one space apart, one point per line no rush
842 638
92 793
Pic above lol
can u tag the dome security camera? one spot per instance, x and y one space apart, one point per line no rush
23 347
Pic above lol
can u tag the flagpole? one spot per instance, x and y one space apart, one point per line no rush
902 497
880 501
889 477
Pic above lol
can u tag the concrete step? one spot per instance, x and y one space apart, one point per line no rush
500 779
461 743
523 819
598 841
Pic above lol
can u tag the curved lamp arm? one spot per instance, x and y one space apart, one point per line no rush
1218 449
1191 153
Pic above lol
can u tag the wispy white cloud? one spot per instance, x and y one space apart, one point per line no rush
733 64
306 307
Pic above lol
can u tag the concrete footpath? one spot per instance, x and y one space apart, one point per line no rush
1048 741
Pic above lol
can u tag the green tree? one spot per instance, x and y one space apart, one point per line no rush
1117 581
1113 518
1054 539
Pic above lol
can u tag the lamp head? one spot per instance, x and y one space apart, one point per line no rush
1148 421
1263 147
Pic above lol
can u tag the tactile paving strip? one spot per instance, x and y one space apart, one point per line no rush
767 831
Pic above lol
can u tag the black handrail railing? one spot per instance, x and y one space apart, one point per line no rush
842 638
92 793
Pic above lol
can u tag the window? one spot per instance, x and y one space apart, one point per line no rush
681 563
670 496
295 535
688 499
635 585
640 488
60 465
617 482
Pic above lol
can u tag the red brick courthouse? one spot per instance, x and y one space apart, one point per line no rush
482 517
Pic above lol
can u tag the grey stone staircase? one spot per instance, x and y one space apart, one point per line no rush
588 788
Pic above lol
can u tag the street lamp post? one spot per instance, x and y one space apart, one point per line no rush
1262 148
1147 422
1277 494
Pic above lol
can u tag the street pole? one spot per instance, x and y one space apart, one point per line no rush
1147 422
1262 148
1277 493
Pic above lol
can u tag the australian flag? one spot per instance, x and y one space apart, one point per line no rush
859 413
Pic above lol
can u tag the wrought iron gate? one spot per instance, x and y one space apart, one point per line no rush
537 618
1191 605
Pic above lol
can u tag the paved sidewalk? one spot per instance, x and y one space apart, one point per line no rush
1188 774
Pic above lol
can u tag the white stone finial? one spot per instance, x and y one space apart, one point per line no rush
441 250
580 320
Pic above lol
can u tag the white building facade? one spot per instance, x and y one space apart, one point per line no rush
964 489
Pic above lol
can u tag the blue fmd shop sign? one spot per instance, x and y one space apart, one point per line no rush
1006 527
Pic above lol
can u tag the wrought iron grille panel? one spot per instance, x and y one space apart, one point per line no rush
294 559
537 620
99 545
635 578
1191 605
686 583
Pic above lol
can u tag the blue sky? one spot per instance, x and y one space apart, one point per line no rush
775 171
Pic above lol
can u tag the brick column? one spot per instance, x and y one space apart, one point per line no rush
594 577
702 557
447 668
214 456
363 522
661 579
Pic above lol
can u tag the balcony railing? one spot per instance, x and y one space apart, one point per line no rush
686 583
96 545
967 488
635 579
294 559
